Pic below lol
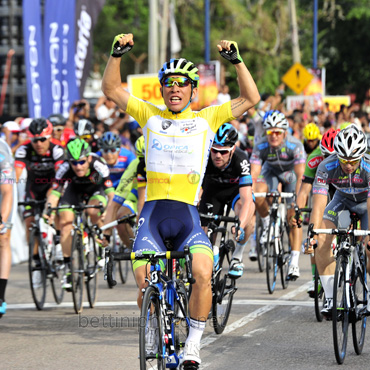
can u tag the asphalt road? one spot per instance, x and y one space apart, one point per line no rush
265 331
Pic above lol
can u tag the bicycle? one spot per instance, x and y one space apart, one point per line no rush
277 249
318 293
49 263
350 287
164 308
260 247
84 255
121 267
223 285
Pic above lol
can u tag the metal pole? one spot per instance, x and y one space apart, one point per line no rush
207 53
295 41
314 56
5 80
153 65
164 32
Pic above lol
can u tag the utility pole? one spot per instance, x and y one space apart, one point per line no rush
153 65
314 56
164 32
207 51
294 30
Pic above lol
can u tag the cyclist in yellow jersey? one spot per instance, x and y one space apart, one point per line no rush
178 143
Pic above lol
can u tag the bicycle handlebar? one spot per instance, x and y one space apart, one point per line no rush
126 218
31 201
311 231
298 212
274 194
78 208
220 218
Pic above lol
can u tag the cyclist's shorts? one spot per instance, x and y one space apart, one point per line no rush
72 196
178 222
272 177
131 205
340 203
213 202
37 193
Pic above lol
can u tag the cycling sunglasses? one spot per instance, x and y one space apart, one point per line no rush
275 132
85 137
179 81
75 163
223 151
108 151
352 162
37 139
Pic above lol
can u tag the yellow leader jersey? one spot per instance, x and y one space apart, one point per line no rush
177 147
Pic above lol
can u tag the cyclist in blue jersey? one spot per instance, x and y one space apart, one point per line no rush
116 157
277 158
348 170
178 142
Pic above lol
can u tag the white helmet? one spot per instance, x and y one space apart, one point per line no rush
275 119
350 143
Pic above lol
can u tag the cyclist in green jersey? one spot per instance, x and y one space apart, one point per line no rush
314 159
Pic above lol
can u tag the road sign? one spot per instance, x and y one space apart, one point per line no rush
297 78
146 87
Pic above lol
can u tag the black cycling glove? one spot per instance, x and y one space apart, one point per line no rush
117 49
232 55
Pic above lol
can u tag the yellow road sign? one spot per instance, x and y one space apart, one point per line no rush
146 87
297 78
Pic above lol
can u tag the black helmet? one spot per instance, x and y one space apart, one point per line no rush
84 127
226 135
109 140
57 119
40 127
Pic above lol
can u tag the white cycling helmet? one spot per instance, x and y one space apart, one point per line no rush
350 143
275 119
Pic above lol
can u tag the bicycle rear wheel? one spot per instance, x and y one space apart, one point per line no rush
360 302
58 267
319 297
340 313
271 258
37 270
260 248
223 288
77 272
284 258
151 330
91 269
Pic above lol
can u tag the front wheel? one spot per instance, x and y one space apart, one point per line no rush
37 269
181 317
271 259
284 257
223 289
319 296
91 269
340 312
151 344
58 268
77 272
360 303
260 247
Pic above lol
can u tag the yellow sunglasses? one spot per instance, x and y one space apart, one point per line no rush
348 161
274 132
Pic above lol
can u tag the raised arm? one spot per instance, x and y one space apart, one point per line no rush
249 95
111 85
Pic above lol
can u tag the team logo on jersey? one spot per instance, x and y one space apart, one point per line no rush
108 183
156 144
245 167
193 177
314 162
166 124
289 177
95 178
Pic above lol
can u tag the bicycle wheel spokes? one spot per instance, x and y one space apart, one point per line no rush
77 271
340 313
91 270
359 303
37 270
284 257
223 292
271 259
151 344
319 297
58 268
260 248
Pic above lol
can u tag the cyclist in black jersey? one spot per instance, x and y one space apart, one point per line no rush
41 158
82 176
228 181
85 130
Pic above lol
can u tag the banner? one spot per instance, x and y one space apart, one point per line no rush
59 36
34 59
87 13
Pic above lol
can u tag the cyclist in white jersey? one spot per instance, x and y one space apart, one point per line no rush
178 142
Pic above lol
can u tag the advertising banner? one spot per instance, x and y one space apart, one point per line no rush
34 58
87 13
59 36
